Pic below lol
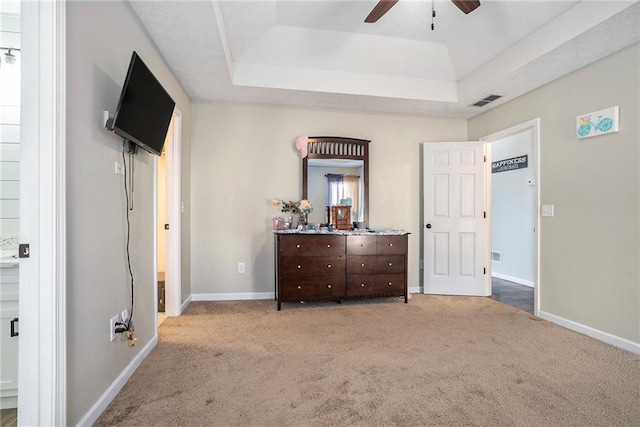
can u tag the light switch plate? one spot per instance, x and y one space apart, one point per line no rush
548 211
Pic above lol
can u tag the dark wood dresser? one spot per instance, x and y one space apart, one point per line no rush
337 266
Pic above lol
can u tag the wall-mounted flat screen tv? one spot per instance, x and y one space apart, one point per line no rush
144 110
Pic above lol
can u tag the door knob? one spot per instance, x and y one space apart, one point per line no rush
428 225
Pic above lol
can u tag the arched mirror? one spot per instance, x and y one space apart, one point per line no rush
335 175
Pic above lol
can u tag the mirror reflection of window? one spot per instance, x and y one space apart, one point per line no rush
344 190
318 187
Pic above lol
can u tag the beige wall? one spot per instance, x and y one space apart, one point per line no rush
100 38
243 156
589 253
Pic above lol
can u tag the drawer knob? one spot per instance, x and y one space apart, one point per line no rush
328 265
298 266
299 287
328 246
362 284
329 286
390 264
389 283
297 246
362 265
390 244
362 245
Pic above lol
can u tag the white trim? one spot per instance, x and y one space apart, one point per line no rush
42 345
251 296
534 125
233 297
173 206
518 280
614 340
112 391
185 304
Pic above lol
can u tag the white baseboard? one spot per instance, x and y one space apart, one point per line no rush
233 296
616 341
185 304
254 295
98 408
518 280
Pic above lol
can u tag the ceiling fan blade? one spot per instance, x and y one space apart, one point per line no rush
381 8
467 6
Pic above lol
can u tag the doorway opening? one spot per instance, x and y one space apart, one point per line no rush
513 215
168 220
161 252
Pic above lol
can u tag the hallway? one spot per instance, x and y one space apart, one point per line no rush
513 294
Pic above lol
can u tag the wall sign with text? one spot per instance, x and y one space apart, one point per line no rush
513 163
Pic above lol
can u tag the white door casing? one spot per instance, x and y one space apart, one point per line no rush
534 126
455 244
42 307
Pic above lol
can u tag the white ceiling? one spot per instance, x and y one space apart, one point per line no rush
320 53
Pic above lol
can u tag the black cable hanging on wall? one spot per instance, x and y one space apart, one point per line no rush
128 325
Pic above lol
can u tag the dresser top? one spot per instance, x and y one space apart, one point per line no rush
346 233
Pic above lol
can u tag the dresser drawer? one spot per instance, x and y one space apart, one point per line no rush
391 245
381 284
309 289
361 245
299 266
311 245
375 264
388 264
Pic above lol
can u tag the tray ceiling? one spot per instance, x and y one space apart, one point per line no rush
321 54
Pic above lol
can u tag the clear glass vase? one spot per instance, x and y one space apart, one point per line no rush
303 220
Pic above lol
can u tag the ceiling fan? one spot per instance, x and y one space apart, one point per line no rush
383 6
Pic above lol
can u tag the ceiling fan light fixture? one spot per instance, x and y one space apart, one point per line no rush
383 6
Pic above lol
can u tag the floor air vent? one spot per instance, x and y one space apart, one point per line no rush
486 100
496 256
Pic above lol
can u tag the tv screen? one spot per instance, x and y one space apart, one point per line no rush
144 110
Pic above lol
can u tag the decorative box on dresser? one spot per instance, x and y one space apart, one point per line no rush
335 266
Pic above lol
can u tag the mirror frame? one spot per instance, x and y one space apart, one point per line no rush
336 147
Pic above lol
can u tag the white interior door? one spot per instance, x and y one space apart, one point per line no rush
454 217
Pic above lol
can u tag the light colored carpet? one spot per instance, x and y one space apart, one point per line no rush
435 361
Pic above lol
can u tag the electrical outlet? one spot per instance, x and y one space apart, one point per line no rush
548 210
241 267
119 169
124 316
112 327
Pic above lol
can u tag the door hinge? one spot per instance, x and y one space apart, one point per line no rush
484 159
166 226
485 270
23 250
485 214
